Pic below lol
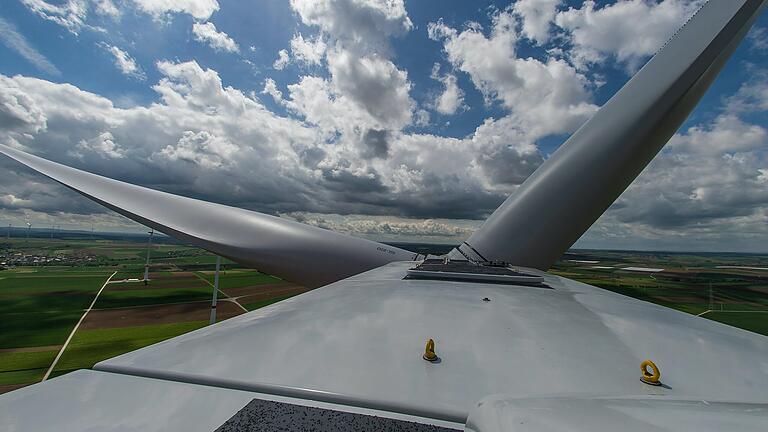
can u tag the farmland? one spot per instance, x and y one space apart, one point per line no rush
46 284
729 288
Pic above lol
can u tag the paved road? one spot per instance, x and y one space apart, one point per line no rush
226 297
64 347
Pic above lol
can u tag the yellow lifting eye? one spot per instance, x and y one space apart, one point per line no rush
651 373
429 351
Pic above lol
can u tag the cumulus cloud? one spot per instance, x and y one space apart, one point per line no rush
421 118
103 145
536 17
391 228
707 188
375 84
308 51
366 89
629 30
727 134
270 88
199 9
200 134
364 23
752 96
313 99
19 113
12 39
282 60
342 153
545 97
452 97
125 63
699 190
195 115
202 149
218 40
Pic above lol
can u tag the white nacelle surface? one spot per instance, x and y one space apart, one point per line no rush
357 345
360 341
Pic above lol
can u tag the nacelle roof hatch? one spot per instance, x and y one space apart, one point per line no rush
487 272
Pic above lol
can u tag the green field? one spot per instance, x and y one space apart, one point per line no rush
40 306
696 284
197 259
23 367
36 328
89 347
143 297
240 278
46 282
753 321
41 303
261 304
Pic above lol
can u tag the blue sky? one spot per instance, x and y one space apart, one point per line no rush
267 27
383 119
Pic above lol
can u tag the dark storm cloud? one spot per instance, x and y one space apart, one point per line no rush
375 143
312 156
507 165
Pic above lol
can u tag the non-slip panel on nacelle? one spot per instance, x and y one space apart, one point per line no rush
264 415
446 269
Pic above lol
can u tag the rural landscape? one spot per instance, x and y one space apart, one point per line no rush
731 288
51 324
46 285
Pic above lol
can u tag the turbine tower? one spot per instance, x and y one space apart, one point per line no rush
149 248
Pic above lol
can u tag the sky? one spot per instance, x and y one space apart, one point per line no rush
387 119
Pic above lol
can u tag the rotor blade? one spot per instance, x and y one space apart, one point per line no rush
566 195
293 251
